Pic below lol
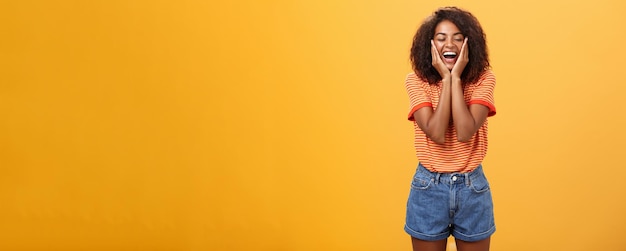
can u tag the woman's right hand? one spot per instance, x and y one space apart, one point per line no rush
441 68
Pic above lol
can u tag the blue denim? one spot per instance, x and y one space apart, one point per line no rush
441 204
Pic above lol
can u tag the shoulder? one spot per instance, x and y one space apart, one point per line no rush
487 76
414 80
412 77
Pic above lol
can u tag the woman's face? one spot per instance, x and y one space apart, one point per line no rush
448 41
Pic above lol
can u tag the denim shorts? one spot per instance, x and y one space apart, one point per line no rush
441 204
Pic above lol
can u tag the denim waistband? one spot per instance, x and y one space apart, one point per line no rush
450 178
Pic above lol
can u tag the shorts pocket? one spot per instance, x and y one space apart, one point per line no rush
421 182
479 183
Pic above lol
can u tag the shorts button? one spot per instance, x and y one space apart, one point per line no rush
453 178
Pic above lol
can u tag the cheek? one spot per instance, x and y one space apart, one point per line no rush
439 46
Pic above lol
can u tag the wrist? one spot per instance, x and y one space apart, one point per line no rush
455 80
446 80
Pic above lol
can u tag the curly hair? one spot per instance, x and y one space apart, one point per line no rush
469 26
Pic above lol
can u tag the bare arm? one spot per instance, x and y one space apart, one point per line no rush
435 123
467 120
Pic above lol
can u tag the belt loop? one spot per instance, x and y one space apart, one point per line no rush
467 179
437 176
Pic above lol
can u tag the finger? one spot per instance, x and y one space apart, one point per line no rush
435 53
464 49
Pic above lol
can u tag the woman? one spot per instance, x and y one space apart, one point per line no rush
451 96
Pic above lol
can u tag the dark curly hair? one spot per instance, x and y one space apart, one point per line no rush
469 26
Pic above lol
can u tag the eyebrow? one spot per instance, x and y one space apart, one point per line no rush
441 33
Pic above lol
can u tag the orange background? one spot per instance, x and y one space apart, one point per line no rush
281 125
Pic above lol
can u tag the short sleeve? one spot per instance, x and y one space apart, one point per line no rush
417 94
483 92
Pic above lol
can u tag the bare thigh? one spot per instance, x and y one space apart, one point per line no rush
420 245
481 245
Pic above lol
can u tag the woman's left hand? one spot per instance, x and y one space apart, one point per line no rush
460 64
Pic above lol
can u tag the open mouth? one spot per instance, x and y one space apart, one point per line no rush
449 54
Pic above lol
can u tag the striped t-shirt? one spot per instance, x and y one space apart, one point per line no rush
452 156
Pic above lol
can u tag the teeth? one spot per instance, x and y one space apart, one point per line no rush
449 54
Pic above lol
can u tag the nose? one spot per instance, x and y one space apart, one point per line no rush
448 43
